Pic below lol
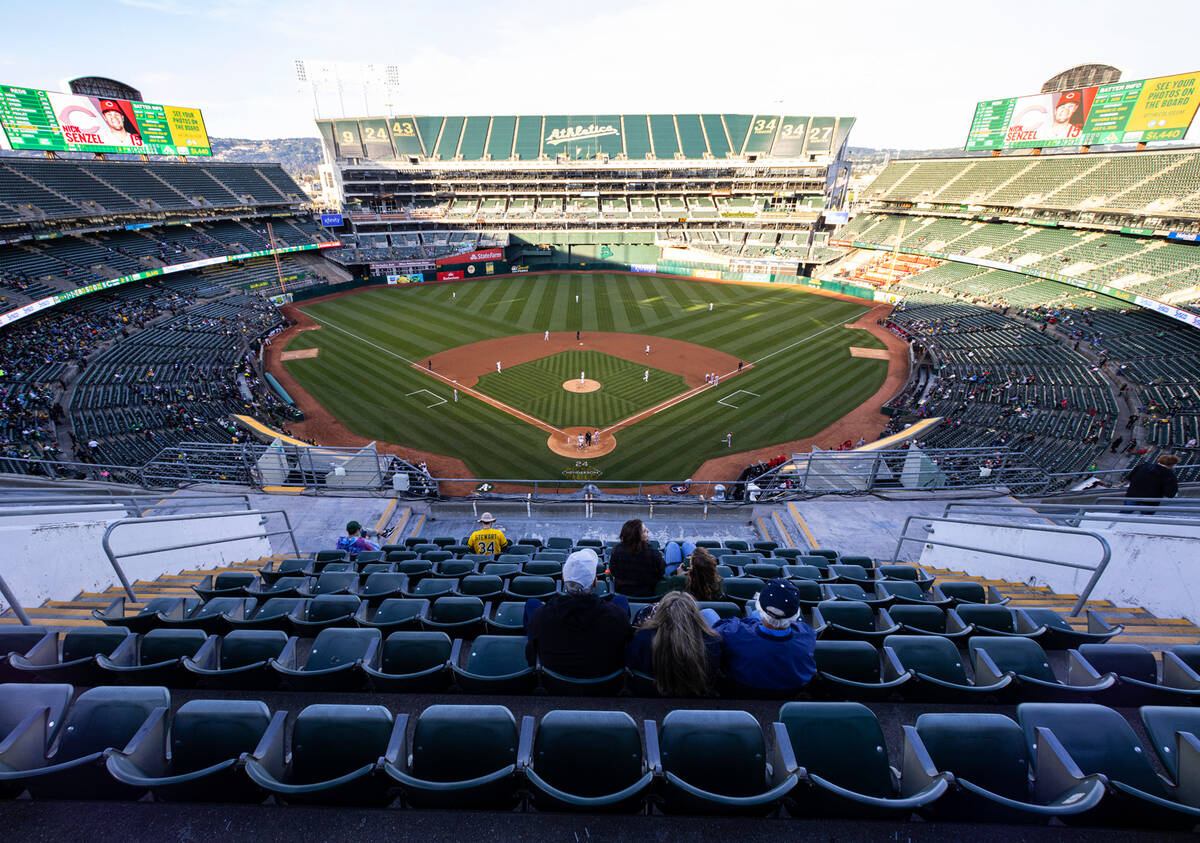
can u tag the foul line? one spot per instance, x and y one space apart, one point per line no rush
806 339
360 339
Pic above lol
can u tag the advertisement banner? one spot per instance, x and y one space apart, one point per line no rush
1121 112
520 268
711 274
331 220
489 268
49 121
453 275
471 257
643 267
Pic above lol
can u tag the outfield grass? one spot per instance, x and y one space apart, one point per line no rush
804 378
537 388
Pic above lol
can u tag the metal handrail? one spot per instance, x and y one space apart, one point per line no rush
112 557
11 598
1077 513
132 500
1086 592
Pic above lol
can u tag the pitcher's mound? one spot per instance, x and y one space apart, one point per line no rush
566 444
577 385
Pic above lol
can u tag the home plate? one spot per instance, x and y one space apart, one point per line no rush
873 353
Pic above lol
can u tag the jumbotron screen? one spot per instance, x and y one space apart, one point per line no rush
1121 112
52 122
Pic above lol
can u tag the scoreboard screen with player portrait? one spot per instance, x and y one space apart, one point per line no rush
1120 112
47 121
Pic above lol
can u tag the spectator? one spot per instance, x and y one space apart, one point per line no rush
1153 481
698 577
636 567
352 542
576 633
772 650
677 647
488 538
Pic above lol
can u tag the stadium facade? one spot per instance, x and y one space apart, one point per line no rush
583 189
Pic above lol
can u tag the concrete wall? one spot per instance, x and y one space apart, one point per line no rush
1153 565
56 556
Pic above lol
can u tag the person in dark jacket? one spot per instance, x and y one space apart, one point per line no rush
1153 480
677 647
636 567
773 650
576 633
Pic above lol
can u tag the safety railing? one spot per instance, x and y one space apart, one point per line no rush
1097 570
1135 510
11 600
105 542
137 503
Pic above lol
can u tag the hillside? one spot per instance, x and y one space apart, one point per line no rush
299 156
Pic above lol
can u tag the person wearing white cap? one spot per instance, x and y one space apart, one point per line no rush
488 538
576 633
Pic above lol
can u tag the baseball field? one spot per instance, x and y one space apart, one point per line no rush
466 370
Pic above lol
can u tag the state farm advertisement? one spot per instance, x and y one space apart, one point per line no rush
453 275
472 257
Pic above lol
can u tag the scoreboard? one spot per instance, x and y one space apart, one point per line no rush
32 119
1120 112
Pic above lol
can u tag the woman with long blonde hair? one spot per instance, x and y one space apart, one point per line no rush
677 647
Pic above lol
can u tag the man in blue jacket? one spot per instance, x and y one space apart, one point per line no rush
772 651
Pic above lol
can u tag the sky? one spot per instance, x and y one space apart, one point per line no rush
910 72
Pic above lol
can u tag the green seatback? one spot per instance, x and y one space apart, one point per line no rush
338 568
329 583
386 583
550 556
412 567
861 561
159 604
560 543
936 657
433 586
718 751
277 607
458 742
742 588
1131 660
857 661
456 609
497 655
801 572
412 652
739 559
928 618
850 572
329 741
160 645
905 588
247 646
329 555
789 552
376 568
609 740
1189 654
509 613
501 569
527 586
286 565
476 584
986 749
848 591
737 544
999 618
399 609
1098 739
286 584
107 717
454 567
840 742
1049 618
18 700
808 591
723 608
328 607
336 647
207 732
901 572
400 556
85 642
218 606
542 568
761 570
234 579
852 614
369 556
1162 722
814 559
1017 655
825 552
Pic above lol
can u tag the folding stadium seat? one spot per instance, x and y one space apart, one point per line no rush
75 664
382 586
850 669
1174 732
1135 672
740 560
400 556
156 657
394 614
20 641
30 714
857 574
283 587
742 590
737 544
274 613
437 557
459 550
367 556
457 616
330 556
616 776
462 756
146 619
206 740
723 608
929 620
366 570
856 593
99 720
422 547
241 659
816 560
763 570
496 665
559 684
335 662
805 572
519 558
525 587
432 587
443 541
831 555
507 618
560 543
483 586
414 569
595 544
213 615
910 573
852 620
522 549
551 556
994 777
789 553
340 582
412 662
334 759
284 568
843 765
1058 634
1095 739
1027 663
905 591
716 762
766 547
937 668
455 568
542 568
228 584
993 620
321 613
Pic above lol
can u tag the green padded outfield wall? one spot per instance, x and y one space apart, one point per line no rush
582 137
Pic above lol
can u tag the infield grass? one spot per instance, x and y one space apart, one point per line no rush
803 380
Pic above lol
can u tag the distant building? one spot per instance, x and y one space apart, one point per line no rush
1082 76
99 86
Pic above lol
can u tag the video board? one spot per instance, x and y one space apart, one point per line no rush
52 122
1120 112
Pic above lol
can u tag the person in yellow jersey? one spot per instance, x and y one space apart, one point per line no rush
488 538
